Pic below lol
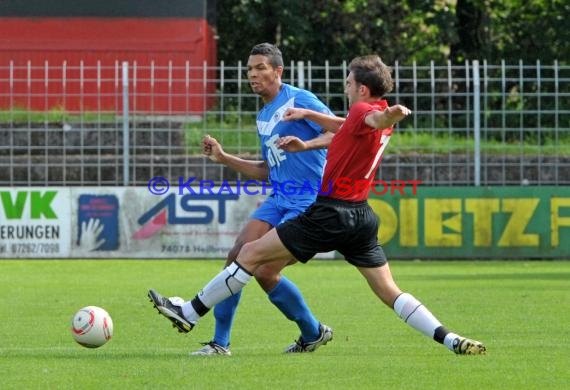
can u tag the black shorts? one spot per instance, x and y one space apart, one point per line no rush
330 224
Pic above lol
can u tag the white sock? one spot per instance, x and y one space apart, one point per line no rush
415 314
450 340
228 282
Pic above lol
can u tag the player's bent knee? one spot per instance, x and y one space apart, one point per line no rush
266 275
249 256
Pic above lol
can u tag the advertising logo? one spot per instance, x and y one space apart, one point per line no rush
98 223
192 210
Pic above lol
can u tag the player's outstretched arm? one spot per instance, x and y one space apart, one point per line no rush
327 122
252 169
387 118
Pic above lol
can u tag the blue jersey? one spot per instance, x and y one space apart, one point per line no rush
295 171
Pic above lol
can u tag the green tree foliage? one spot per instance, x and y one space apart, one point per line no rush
405 31
335 30
471 27
530 30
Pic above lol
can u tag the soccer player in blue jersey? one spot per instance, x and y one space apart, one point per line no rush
290 171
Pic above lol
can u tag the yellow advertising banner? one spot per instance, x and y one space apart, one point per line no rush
471 222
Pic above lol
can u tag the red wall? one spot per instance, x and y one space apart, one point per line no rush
75 53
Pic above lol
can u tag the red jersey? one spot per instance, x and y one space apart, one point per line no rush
354 154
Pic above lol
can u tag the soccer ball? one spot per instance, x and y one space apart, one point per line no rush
92 327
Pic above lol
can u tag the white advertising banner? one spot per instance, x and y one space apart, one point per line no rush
132 222
121 222
35 223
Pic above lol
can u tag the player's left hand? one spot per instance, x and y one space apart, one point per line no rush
291 143
397 112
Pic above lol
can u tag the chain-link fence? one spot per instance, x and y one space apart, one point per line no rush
83 124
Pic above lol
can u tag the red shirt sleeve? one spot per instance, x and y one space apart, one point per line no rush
358 113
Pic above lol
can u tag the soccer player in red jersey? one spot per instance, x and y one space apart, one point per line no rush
340 219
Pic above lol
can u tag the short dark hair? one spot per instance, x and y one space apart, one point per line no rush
270 51
373 73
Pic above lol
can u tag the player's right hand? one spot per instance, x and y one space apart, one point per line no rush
212 148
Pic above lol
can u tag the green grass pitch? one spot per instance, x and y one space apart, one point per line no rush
519 309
